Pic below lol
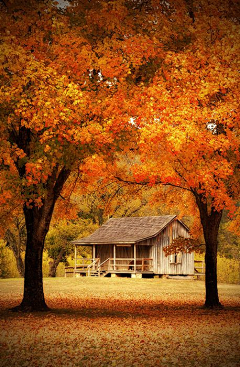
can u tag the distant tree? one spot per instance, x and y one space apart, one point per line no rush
106 198
58 241
15 238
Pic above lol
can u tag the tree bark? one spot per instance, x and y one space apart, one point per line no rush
37 221
33 298
54 264
15 245
210 220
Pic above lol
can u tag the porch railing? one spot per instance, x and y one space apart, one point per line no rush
127 264
84 264
93 267
199 267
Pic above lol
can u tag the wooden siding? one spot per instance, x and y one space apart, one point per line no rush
161 263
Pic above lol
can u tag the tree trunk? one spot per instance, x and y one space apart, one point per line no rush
15 245
37 224
20 265
54 264
210 220
33 299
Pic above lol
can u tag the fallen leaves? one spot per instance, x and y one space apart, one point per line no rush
120 322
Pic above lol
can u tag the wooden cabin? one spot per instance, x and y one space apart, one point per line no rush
133 246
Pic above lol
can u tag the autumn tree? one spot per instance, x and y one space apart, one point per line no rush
188 118
68 76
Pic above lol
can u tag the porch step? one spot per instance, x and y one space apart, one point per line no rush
94 274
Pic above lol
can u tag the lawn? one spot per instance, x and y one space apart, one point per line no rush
120 322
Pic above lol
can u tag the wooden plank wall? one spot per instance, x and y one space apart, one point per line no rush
161 263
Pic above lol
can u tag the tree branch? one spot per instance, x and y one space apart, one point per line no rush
145 183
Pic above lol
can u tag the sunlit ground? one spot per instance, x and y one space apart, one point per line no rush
120 322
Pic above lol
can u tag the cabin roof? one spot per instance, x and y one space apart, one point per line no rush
127 230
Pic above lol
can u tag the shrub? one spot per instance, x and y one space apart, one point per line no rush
8 266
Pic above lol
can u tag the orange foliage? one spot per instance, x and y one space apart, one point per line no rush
61 100
189 115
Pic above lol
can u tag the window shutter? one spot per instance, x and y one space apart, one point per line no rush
179 257
172 259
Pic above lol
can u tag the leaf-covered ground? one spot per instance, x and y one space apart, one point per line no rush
120 322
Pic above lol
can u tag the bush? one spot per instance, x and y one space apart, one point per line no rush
228 270
8 266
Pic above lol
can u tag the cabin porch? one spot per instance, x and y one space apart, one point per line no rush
101 265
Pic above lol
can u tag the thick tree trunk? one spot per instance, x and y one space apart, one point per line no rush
37 220
33 299
37 223
211 229
210 220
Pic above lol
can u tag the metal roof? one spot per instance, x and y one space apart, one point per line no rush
127 230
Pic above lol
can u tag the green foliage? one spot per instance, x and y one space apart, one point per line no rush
229 242
227 269
60 237
58 242
8 267
60 272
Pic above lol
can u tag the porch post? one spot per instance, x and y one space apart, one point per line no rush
75 255
94 254
135 256
114 257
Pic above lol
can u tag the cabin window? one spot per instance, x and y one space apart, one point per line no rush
176 258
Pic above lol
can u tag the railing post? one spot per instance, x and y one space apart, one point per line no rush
75 254
114 257
93 255
135 257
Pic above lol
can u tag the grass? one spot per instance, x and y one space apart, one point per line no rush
120 322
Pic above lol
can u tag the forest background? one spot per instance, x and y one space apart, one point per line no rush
91 210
